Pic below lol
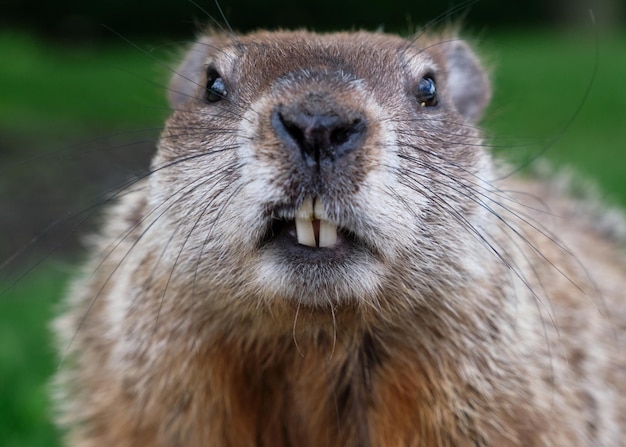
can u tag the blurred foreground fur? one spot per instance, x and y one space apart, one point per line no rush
433 301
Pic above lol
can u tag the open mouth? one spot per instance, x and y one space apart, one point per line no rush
309 227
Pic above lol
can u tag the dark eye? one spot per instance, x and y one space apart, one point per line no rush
426 92
215 88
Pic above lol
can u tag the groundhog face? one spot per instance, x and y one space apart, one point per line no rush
318 166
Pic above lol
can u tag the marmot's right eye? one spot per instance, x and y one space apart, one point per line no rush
427 92
215 88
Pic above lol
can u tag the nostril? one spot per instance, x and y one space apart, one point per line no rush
339 136
343 133
292 129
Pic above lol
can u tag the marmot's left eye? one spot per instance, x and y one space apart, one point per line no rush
426 92
215 88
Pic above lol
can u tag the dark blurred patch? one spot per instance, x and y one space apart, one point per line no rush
79 20
49 202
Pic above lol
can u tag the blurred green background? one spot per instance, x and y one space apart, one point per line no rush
82 101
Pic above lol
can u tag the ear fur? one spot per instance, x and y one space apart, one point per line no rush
468 83
189 74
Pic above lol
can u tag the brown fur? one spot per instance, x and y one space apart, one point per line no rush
474 312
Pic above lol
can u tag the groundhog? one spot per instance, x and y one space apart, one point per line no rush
325 253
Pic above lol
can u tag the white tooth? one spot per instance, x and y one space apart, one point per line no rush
305 211
305 233
328 234
318 209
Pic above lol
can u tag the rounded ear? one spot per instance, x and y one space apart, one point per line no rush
188 76
468 83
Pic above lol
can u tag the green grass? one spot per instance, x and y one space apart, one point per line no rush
60 91
540 81
27 359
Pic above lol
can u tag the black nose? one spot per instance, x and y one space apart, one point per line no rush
319 136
